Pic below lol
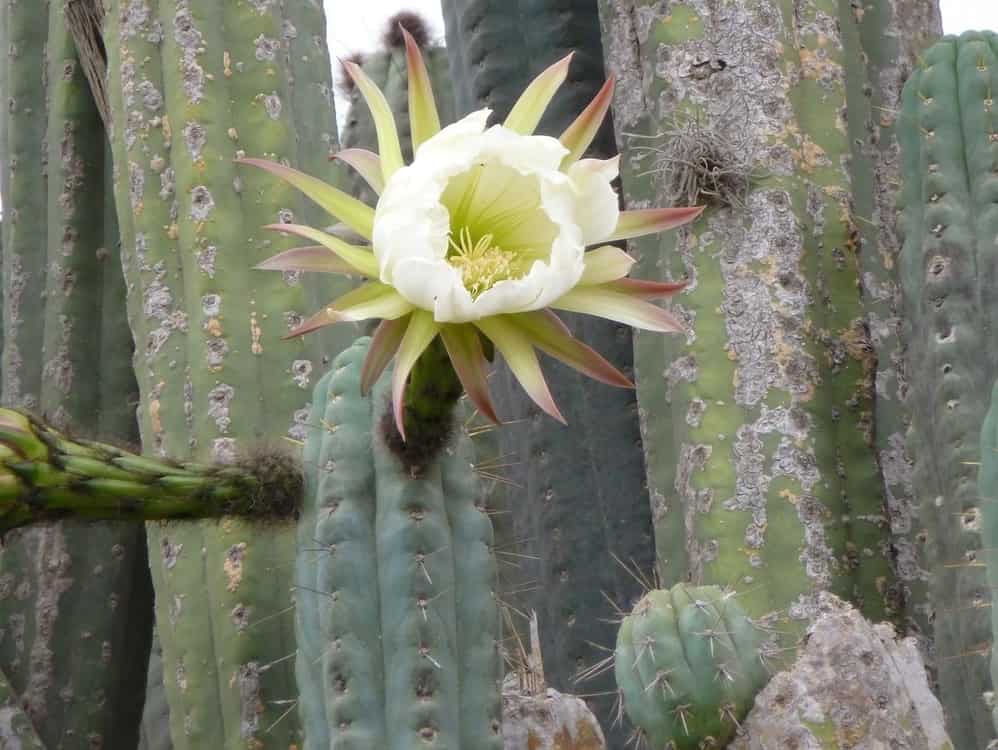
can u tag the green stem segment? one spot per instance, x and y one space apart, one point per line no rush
46 476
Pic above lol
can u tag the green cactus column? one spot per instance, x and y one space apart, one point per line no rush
987 485
399 646
76 603
947 272
760 429
573 510
193 85
887 37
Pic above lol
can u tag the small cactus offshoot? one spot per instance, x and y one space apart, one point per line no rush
688 667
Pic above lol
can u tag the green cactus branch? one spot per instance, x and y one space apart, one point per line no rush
45 476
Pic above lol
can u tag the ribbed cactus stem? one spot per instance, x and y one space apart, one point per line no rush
194 84
46 476
396 602
947 273
759 428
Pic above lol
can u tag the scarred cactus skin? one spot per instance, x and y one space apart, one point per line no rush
688 667
194 84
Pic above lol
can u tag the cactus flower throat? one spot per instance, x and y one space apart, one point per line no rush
487 233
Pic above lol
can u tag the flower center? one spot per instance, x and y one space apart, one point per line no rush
481 262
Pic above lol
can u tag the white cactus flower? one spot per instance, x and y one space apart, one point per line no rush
483 234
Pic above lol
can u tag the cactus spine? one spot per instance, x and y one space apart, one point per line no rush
768 405
688 665
560 482
398 608
194 84
66 355
948 277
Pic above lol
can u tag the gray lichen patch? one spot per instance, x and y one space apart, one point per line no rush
219 399
53 578
299 425
195 137
134 18
250 699
681 370
266 47
202 204
191 43
224 450
301 371
272 104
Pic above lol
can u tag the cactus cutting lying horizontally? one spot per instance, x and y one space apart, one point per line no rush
45 476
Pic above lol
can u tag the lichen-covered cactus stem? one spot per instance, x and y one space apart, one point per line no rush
555 482
68 350
403 600
947 273
887 37
25 200
758 429
193 85
15 725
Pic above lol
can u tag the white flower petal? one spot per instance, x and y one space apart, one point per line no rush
431 284
490 182
597 207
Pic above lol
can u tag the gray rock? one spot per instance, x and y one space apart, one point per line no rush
854 685
548 720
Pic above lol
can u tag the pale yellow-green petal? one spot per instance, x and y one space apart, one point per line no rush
579 135
640 222
314 258
384 344
367 164
516 349
389 148
421 331
354 213
623 308
530 107
423 117
607 263
371 300
360 258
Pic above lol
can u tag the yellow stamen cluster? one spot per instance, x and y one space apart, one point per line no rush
482 264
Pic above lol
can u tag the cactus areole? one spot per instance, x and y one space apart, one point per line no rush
483 235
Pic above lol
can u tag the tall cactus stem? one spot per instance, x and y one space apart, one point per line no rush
947 274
